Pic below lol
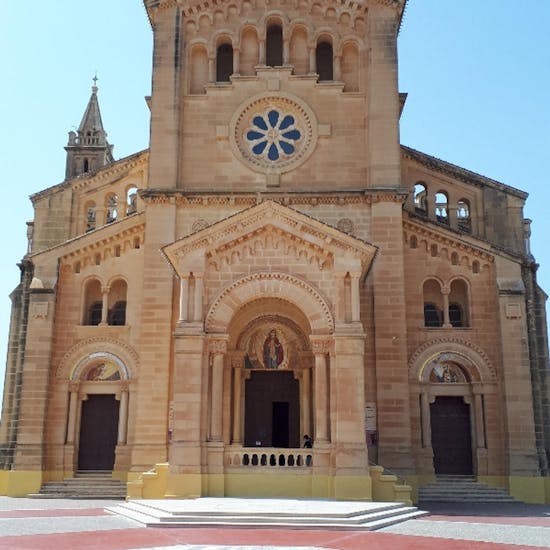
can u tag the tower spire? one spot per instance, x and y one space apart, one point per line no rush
88 148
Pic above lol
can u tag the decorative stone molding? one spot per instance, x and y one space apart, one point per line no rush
91 349
442 239
217 346
345 225
324 345
473 357
273 133
264 284
199 225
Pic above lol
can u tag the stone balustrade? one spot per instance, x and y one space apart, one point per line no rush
268 457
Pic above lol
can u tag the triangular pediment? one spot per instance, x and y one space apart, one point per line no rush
270 225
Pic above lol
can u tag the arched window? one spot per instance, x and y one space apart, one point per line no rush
85 166
131 200
458 304
441 207
92 303
324 58
117 302
224 62
274 46
455 260
433 303
90 221
413 241
420 199
463 216
111 206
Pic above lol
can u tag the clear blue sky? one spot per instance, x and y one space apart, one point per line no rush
477 73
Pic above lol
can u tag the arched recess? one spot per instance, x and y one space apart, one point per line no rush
308 299
93 302
250 52
199 69
350 67
299 51
96 398
456 377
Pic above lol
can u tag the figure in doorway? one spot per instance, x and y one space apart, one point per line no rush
273 351
308 444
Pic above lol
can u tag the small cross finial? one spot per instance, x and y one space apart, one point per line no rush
95 79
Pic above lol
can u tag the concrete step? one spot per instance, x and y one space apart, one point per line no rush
85 486
304 514
461 489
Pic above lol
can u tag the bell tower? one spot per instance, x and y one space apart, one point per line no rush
88 148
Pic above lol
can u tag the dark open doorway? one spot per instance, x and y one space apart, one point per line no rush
451 436
272 410
98 433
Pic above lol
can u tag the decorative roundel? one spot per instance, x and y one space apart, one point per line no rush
273 133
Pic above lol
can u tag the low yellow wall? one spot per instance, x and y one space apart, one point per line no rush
19 483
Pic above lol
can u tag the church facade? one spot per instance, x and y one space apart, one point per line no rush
275 265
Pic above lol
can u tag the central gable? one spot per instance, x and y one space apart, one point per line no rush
269 226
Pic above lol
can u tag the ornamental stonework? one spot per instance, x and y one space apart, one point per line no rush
273 133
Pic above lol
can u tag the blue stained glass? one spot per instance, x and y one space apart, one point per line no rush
258 149
259 122
273 154
292 134
287 121
286 147
254 135
273 117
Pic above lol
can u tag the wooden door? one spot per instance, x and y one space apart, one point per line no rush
98 433
451 436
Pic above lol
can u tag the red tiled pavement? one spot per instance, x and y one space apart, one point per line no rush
142 538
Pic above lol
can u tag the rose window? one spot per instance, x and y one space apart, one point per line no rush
273 135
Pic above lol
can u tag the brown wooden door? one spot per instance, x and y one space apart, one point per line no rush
98 433
451 436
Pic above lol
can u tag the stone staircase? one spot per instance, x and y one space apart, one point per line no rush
258 512
88 485
449 488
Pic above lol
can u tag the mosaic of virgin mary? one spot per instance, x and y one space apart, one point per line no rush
273 351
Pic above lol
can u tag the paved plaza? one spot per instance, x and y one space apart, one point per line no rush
85 524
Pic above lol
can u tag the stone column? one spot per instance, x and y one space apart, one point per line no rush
337 67
355 300
480 427
211 69
199 290
446 320
236 61
312 60
237 404
73 411
286 51
320 348
105 305
261 53
340 297
217 349
425 419
306 402
184 298
123 415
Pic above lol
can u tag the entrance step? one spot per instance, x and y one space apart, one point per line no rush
304 514
450 488
89 485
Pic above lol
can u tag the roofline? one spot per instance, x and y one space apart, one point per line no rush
88 175
461 173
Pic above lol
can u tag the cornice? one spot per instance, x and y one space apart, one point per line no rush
447 240
459 173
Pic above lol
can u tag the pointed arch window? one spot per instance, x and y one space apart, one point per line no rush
274 46
224 62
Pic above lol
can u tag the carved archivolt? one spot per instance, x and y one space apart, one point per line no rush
95 349
273 285
468 355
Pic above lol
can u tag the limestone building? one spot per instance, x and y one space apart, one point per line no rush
275 265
